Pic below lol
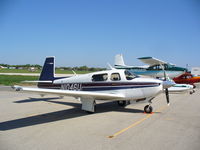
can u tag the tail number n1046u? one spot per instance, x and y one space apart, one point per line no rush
72 86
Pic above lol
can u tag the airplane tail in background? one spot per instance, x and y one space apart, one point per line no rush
48 70
119 61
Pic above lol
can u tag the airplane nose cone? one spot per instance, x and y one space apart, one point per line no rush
168 84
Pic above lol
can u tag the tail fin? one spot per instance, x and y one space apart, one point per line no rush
48 70
119 61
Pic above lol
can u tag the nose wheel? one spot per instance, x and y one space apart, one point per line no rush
148 109
191 92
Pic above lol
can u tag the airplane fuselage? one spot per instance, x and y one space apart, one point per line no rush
158 73
115 81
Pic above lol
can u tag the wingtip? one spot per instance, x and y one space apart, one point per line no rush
16 87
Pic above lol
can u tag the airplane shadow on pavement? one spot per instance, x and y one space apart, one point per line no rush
60 115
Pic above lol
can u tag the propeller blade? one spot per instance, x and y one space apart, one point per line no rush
165 75
167 96
166 84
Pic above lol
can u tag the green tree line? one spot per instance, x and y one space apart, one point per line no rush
81 68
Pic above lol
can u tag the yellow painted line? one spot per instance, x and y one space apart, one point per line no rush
136 123
125 129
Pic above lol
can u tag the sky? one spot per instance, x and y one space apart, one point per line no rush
92 32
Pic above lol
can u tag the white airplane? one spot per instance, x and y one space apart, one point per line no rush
154 68
112 85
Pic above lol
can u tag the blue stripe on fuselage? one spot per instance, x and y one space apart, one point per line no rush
99 86
103 88
116 86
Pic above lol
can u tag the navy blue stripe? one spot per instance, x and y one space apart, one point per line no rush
102 86
117 84
115 88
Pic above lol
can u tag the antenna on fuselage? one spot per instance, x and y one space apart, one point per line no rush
110 67
74 72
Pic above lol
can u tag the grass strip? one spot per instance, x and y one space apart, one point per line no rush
16 79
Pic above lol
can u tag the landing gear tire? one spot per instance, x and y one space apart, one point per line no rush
191 92
89 112
148 109
122 103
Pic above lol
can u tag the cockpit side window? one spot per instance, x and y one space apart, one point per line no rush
155 67
159 67
166 66
184 77
100 77
189 77
115 77
129 75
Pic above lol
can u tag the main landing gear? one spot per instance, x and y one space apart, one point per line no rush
123 103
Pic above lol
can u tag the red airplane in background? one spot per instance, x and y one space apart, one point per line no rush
187 78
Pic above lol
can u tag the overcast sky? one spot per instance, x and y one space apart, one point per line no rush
92 32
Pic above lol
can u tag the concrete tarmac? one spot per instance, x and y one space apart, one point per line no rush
28 121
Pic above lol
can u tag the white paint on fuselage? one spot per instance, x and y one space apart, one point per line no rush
170 74
179 88
130 93
159 73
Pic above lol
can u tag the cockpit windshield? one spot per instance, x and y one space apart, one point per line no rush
129 75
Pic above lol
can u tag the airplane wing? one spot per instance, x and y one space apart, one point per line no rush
152 61
82 94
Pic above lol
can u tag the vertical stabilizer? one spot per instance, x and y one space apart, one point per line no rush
119 61
48 70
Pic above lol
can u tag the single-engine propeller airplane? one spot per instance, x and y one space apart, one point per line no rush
187 78
158 69
154 69
115 85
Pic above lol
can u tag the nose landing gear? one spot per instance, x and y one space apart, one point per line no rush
148 109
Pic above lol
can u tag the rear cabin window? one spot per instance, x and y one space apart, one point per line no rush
115 77
100 77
